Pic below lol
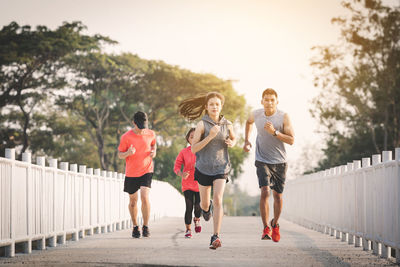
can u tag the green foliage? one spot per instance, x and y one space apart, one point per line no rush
65 98
359 107
239 203
164 163
237 157
30 66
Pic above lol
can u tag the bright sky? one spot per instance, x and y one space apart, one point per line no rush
257 43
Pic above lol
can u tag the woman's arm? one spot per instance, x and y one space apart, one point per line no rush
198 145
231 139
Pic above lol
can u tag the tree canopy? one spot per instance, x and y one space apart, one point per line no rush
359 104
62 96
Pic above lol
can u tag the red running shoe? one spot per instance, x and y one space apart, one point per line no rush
197 226
276 236
266 235
188 234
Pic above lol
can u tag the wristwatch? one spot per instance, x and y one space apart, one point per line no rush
276 132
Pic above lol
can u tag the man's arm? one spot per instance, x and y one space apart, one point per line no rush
247 131
288 134
153 150
122 155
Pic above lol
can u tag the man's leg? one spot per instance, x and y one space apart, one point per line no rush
133 198
278 203
219 187
144 197
264 205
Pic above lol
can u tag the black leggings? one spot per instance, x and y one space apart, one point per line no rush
191 196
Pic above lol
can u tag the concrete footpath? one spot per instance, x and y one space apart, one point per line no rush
241 246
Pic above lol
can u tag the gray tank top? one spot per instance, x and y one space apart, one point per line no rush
213 159
269 149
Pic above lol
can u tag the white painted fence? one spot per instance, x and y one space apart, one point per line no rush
359 204
46 204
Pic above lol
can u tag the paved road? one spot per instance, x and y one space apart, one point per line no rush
241 246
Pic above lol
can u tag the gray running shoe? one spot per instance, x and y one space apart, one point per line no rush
207 214
145 231
215 242
136 232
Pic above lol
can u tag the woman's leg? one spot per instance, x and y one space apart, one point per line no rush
219 187
197 210
205 192
189 208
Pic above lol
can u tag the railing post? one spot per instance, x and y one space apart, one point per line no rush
397 153
397 158
386 251
120 202
41 161
376 159
89 171
366 162
63 238
350 236
10 153
53 164
26 157
97 172
357 239
10 250
104 227
74 169
81 229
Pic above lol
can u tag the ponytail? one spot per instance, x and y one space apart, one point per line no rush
192 108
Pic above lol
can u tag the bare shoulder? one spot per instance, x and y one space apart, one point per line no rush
250 118
200 125
286 117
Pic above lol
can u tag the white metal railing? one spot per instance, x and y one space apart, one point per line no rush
45 204
358 203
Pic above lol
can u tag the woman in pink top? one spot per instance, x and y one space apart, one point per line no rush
190 187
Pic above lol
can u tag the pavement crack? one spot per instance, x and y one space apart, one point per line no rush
175 236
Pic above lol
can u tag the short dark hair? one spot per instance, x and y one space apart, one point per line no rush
140 119
269 91
188 134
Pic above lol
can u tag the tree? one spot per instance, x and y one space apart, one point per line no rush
63 97
98 85
359 107
31 62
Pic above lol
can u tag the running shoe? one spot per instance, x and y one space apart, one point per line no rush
215 242
145 231
188 234
197 226
266 235
207 214
276 236
136 232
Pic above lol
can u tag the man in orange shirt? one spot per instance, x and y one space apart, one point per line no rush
138 148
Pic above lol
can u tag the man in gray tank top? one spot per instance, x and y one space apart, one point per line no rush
273 130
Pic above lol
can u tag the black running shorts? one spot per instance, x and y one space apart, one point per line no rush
272 175
132 184
207 180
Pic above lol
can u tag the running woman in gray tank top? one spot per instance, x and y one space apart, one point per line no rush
273 130
212 137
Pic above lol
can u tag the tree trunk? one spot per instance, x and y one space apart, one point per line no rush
100 149
385 129
117 137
